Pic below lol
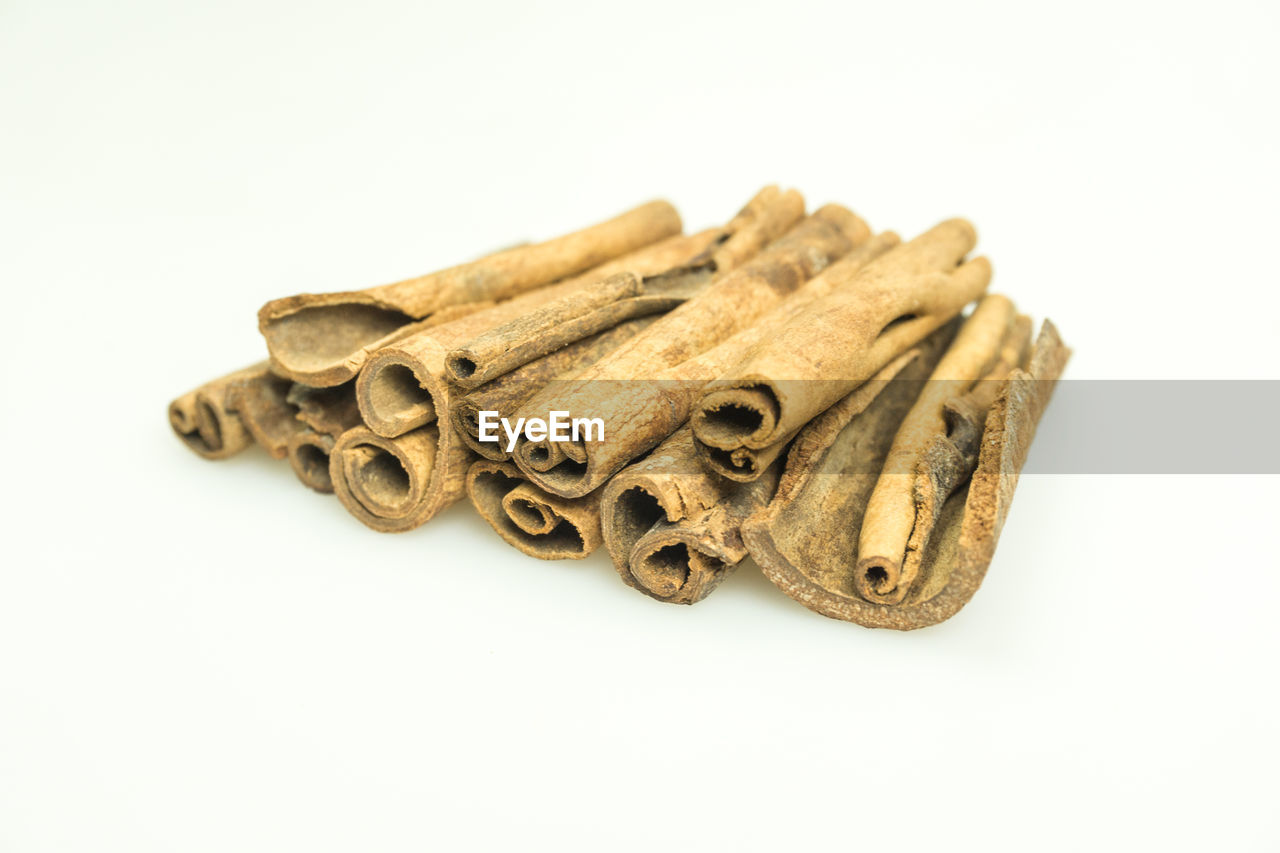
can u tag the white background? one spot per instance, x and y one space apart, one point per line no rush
207 657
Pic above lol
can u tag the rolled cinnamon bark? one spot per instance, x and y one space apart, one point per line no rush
325 413
404 385
672 529
261 403
936 448
396 484
204 421
646 407
332 411
403 393
309 457
545 526
744 420
806 540
508 392
769 215
322 339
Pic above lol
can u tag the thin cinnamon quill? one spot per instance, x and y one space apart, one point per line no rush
633 423
541 525
205 422
806 540
936 448
323 339
624 296
744 420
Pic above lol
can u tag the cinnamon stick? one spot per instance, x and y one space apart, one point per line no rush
935 449
672 529
396 484
769 215
332 411
322 339
205 423
325 413
400 393
541 525
744 420
508 392
732 303
260 401
403 389
309 458
404 385
806 540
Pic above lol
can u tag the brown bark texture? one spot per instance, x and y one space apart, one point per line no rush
745 418
322 339
788 387
806 540
541 525
204 420
630 388
766 217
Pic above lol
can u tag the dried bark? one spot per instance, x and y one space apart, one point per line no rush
672 529
806 540
332 411
404 387
325 414
404 397
508 392
322 339
928 460
404 383
645 411
205 422
769 215
261 403
309 457
396 484
745 419
545 526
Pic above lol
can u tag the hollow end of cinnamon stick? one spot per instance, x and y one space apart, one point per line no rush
740 464
392 398
185 419
309 458
877 579
383 481
674 572
466 423
730 417
530 520
544 456
461 366
203 422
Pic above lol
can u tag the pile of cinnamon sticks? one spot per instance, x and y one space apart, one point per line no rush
849 409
